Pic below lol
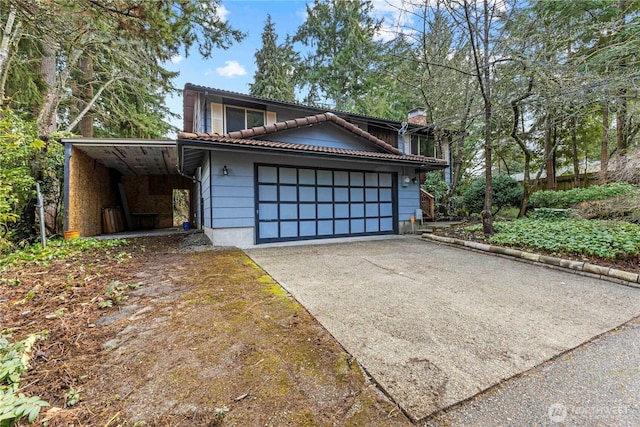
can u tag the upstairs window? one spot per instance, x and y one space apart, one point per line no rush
242 118
422 145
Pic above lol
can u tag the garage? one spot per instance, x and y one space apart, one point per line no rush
298 203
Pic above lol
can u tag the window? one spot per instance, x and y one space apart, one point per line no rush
422 145
241 118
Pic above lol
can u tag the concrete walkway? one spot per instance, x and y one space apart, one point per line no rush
434 324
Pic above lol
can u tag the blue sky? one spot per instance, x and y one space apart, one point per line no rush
233 69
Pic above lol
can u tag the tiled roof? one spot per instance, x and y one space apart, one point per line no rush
310 121
258 143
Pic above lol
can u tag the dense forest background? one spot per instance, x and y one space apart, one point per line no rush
535 88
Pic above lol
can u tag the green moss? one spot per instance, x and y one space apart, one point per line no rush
265 278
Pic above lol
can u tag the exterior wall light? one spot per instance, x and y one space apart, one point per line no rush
225 170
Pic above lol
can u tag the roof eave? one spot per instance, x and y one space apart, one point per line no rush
187 143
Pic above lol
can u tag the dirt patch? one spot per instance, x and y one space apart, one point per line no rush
207 338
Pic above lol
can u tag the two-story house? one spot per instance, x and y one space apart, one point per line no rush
274 171
259 170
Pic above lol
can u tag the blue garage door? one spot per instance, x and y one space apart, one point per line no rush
303 203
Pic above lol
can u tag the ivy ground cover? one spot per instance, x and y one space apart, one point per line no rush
604 239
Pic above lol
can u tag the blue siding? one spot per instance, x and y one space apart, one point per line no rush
206 191
325 135
233 194
408 200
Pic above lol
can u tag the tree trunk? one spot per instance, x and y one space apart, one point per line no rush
10 37
46 120
517 115
574 149
621 105
85 95
621 121
548 153
527 188
487 219
604 150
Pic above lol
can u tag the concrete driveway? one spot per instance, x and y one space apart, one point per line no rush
434 324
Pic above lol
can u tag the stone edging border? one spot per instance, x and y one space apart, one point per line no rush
632 279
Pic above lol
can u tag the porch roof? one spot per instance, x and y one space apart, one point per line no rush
131 156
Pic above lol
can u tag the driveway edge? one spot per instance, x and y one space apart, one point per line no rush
614 275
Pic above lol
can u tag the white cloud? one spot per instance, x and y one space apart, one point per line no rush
231 69
222 12
175 59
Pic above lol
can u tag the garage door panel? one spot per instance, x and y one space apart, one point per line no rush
289 229
372 225
342 210
325 194
268 230
341 194
268 174
324 177
357 195
288 193
268 211
341 178
308 228
325 228
303 203
268 193
288 176
307 194
288 211
342 226
357 226
325 210
308 211
357 179
307 176
357 210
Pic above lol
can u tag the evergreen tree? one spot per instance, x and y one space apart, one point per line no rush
345 59
276 65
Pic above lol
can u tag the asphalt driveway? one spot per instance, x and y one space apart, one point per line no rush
435 324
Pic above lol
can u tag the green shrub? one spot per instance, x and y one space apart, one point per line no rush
14 361
569 198
438 188
506 192
548 214
57 249
606 239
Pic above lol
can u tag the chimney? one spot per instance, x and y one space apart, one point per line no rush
417 116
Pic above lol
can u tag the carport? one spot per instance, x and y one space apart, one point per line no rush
114 185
